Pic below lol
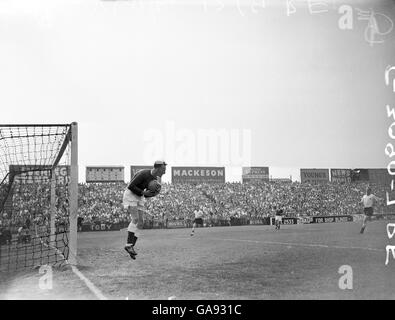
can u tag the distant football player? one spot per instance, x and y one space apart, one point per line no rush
278 218
197 221
368 200
134 200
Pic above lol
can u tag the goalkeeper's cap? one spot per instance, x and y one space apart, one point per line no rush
160 163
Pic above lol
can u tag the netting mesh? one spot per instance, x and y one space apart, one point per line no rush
34 195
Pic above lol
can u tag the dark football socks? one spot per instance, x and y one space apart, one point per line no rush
130 238
134 240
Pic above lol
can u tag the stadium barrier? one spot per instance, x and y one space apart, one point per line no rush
100 226
233 221
239 221
305 220
286 220
260 221
315 219
173 224
385 216
176 224
329 219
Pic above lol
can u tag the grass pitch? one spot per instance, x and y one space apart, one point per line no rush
246 262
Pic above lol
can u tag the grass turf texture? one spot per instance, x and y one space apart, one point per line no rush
247 262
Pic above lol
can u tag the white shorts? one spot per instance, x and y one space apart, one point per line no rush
132 200
279 218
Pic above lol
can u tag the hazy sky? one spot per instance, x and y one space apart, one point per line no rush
146 81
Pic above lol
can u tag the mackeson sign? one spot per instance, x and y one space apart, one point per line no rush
198 174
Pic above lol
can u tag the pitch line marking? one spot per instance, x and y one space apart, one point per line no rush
79 274
88 283
293 244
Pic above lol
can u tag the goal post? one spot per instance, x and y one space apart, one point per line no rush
38 195
73 189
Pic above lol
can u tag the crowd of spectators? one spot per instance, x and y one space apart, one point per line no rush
254 201
102 202
30 205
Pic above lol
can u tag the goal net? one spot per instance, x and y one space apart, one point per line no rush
38 195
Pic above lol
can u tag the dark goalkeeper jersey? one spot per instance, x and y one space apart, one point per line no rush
279 213
140 181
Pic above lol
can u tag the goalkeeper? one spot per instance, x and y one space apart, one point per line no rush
134 200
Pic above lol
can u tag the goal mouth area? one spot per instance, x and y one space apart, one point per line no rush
31 251
38 194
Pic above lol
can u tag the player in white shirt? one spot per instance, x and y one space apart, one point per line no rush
279 218
368 201
198 220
